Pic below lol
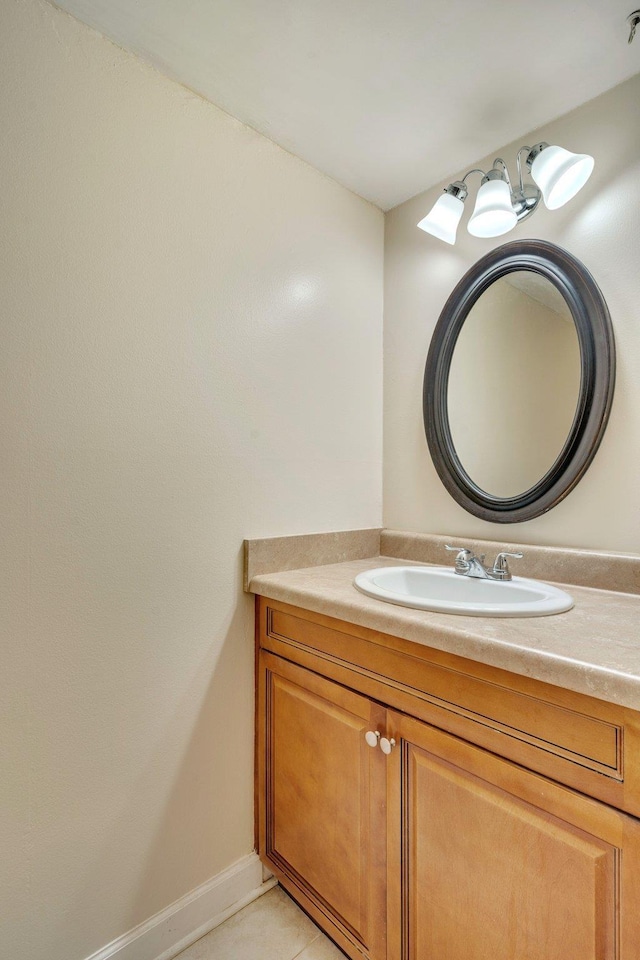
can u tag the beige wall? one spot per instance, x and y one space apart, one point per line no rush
190 354
601 227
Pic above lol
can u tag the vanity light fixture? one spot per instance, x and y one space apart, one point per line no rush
557 176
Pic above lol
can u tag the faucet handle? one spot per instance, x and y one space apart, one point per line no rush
463 552
501 566
464 556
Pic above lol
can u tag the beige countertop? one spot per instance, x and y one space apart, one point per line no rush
593 648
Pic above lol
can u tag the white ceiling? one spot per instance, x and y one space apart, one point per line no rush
388 97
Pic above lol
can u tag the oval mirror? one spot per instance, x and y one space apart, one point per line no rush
519 381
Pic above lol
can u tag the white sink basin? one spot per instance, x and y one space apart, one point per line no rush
442 590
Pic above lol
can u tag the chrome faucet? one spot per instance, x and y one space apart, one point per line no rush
469 565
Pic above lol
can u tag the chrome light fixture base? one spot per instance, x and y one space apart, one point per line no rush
534 152
457 189
525 200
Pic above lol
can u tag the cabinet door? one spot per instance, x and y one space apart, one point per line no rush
493 862
321 793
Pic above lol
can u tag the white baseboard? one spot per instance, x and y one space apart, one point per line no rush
189 918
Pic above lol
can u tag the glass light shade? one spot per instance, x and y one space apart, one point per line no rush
444 217
493 214
560 174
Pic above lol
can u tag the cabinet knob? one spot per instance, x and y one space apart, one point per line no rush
372 737
387 745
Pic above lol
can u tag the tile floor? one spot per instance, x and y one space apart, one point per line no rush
270 928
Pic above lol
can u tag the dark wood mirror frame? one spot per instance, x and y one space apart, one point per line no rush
597 379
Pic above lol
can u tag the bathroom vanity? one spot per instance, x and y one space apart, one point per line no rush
433 786
426 793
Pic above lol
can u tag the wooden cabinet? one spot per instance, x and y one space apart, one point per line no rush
499 863
442 848
323 801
